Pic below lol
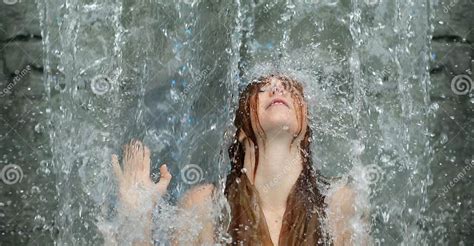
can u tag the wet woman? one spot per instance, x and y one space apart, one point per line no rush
273 191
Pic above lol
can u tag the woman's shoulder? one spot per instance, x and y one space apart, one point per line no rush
197 195
341 193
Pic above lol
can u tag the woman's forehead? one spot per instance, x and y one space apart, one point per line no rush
273 80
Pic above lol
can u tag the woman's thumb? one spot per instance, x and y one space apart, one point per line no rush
116 167
165 178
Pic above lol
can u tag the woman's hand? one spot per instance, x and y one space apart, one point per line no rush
135 185
138 194
249 158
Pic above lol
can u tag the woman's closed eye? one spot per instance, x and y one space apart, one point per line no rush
264 88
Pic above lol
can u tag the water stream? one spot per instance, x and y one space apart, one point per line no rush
168 72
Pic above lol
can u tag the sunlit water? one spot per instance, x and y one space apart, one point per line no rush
168 72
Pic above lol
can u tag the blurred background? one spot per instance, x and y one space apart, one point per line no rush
390 84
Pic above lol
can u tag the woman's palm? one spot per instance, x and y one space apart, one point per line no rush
135 185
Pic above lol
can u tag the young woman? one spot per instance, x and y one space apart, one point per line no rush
272 188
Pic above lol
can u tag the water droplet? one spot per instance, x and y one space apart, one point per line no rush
385 216
434 106
385 158
39 219
39 128
443 138
35 189
358 147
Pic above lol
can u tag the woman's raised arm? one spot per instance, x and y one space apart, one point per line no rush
138 194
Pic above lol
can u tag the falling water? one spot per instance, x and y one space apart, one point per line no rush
168 72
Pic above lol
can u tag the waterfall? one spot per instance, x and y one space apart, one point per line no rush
168 72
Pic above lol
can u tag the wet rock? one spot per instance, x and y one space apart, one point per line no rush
453 20
451 64
32 86
18 19
452 57
3 77
19 54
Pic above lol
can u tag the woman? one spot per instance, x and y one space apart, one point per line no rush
271 189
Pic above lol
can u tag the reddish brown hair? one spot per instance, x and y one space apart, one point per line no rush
307 190
248 102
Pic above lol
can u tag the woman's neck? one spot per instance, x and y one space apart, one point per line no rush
279 167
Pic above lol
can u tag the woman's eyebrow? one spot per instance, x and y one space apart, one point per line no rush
264 83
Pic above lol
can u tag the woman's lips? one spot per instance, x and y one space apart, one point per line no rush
278 101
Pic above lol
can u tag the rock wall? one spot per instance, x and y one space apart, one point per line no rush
23 141
452 97
24 113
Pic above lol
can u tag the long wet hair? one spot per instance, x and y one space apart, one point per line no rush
307 190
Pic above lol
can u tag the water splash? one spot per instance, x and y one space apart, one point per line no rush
168 72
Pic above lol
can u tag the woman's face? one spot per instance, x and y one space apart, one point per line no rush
277 110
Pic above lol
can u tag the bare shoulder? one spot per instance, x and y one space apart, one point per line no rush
342 199
196 207
344 214
341 209
197 195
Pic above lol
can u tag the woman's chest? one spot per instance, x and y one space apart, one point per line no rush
274 224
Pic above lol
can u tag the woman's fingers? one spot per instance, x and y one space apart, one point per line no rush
127 158
116 166
165 178
142 159
134 158
136 163
146 160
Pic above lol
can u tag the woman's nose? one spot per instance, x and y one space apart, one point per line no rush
277 88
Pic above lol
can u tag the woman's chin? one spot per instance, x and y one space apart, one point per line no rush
279 128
